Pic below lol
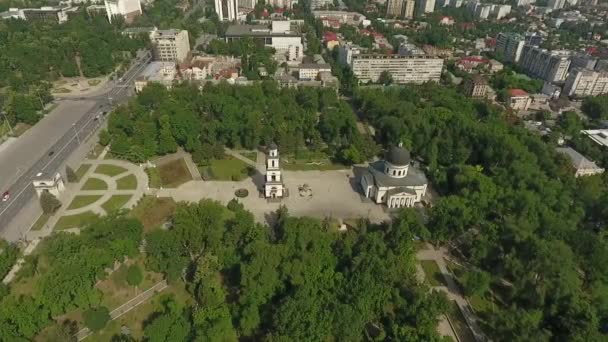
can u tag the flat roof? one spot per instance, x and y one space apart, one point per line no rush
153 72
600 136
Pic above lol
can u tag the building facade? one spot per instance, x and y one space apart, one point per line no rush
171 45
582 166
476 87
584 82
394 8
393 181
426 6
408 9
127 9
518 100
226 10
274 187
279 36
403 69
510 46
551 66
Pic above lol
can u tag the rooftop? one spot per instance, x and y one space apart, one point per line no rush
256 30
578 160
600 136
159 71
517 92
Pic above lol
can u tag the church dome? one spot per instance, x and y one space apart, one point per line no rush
273 146
398 156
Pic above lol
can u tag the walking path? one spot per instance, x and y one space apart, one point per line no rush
452 289
128 306
243 158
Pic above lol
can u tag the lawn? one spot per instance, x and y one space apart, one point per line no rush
83 200
432 273
93 82
127 183
41 221
95 184
228 169
251 155
74 221
153 211
82 170
174 173
459 323
153 178
115 202
309 160
110 170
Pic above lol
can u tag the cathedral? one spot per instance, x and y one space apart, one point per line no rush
274 187
393 181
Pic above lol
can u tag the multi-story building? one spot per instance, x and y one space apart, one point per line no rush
551 66
226 9
534 38
509 46
582 166
403 69
47 13
476 87
394 8
171 45
342 17
408 9
346 53
426 6
279 36
127 9
518 99
314 4
311 71
485 11
556 4
156 72
584 61
584 82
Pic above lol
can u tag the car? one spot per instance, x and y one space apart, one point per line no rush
5 196
51 153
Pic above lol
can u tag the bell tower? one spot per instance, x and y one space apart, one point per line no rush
274 187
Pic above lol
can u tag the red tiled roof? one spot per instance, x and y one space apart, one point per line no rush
517 92
329 36
473 59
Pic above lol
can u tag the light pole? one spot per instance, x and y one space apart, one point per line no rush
10 128
76 133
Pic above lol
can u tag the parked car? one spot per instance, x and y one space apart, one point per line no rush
5 196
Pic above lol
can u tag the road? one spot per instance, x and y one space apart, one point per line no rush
47 145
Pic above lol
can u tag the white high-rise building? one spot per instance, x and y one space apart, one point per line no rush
394 8
584 82
170 45
226 9
426 6
556 4
408 10
128 9
403 69
274 187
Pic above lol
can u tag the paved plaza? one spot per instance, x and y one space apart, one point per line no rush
331 194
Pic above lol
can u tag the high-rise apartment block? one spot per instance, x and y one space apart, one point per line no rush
509 46
171 45
127 9
226 9
408 9
426 6
551 66
583 82
394 8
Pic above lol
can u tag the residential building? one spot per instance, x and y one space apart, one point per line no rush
341 17
583 61
249 4
403 69
394 8
488 11
157 72
393 181
171 45
46 13
534 38
551 66
584 82
582 166
330 39
509 46
518 99
346 53
311 71
314 4
409 49
426 6
226 10
599 136
280 36
475 87
495 66
127 9
470 63
408 9
551 90
556 4
134 32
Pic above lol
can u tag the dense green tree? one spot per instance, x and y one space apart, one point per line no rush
134 275
96 318
49 202
169 325
71 175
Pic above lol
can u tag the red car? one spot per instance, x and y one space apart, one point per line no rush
5 196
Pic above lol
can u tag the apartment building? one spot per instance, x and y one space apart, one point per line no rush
226 10
583 61
408 9
314 4
476 87
584 82
551 66
518 99
556 4
279 36
170 45
403 69
394 8
311 71
46 13
510 46
156 72
127 9
426 6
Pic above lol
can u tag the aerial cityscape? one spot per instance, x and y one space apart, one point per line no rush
303 170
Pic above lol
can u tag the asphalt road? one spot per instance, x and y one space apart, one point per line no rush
47 145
